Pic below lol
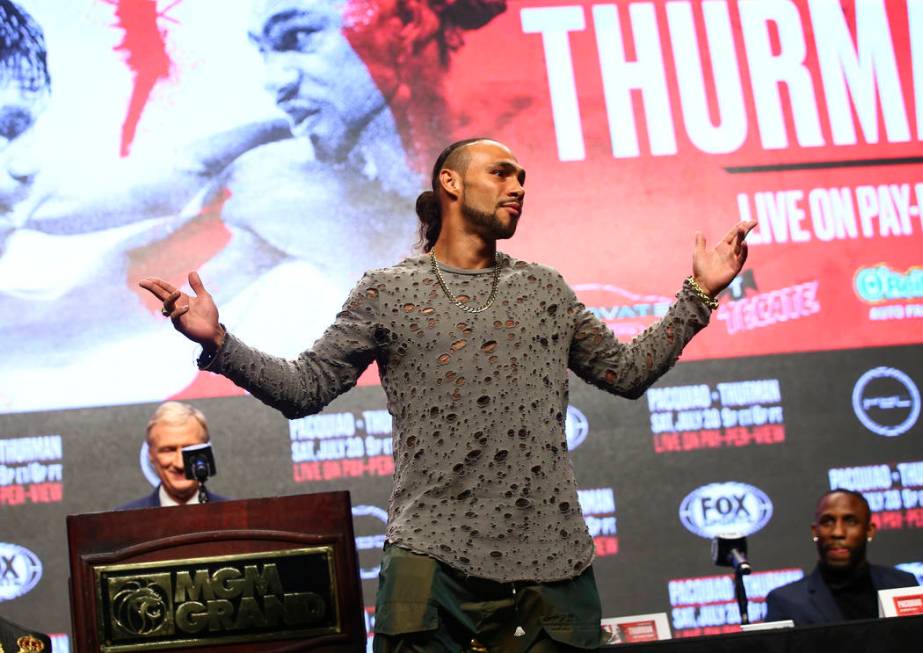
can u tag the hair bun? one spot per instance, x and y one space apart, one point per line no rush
427 206
430 219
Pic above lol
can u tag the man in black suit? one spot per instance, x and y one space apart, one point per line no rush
843 585
14 638
173 425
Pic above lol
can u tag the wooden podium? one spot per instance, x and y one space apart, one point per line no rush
234 576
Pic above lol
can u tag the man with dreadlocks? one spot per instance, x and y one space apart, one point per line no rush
486 546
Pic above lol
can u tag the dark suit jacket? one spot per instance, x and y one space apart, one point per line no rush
10 632
152 500
809 600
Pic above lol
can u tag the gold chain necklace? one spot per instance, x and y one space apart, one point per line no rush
454 299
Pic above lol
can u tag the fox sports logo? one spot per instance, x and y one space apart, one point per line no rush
732 507
576 428
20 571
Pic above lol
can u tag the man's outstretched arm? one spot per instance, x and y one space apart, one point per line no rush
296 388
599 358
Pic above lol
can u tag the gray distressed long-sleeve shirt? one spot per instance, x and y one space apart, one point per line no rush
482 477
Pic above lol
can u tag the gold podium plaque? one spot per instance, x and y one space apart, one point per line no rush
216 600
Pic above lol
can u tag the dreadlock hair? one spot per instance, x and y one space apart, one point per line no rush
452 157
22 48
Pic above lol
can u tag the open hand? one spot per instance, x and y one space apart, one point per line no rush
196 317
715 268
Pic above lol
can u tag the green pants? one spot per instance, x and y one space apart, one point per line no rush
425 605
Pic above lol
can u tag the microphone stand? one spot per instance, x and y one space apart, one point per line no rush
741 593
201 473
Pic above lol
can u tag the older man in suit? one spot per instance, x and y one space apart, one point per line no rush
843 585
173 425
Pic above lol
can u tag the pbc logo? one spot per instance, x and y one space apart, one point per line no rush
374 519
729 507
576 428
20 571
886 401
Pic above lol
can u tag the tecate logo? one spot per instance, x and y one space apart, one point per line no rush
731 507
576 428
886 401
20 571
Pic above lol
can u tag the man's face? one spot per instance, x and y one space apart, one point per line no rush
842 528
164 443
314 74
19 109
492 190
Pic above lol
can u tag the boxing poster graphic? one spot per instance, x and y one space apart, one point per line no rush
277 146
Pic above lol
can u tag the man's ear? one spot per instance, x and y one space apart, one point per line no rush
451 182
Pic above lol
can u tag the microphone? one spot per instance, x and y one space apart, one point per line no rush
200 469
199 465
730 550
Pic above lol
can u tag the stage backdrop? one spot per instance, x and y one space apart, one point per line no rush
278 146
